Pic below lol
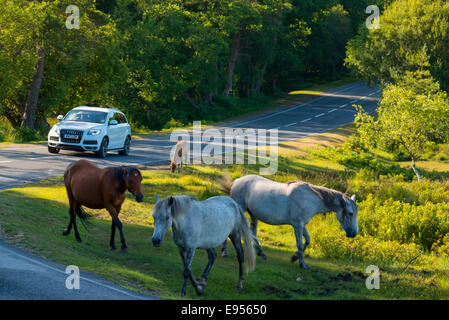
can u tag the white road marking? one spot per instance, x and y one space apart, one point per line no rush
319 115
293 108
371 94
5 161
290 124
353 101
332 110
340 107
308 119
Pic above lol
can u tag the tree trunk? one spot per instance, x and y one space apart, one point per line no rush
415 170
29 115
235 49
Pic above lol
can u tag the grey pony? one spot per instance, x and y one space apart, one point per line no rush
293 203
203 225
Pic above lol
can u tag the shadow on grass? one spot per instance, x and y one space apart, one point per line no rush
159 270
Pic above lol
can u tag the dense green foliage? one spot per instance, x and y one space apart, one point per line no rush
407 27
170 60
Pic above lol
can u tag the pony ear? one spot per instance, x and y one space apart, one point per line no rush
353 197
157 199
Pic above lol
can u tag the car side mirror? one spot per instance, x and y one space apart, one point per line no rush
60 117
113 122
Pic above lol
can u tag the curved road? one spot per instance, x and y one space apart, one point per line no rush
25 276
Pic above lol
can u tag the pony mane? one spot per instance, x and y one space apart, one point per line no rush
180 202
330 197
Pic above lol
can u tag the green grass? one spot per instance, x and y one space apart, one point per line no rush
33 218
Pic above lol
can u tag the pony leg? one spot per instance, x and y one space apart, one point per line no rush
119 225
299 232
71 211
112 241
66 232
236 239
254 222
187 257
307 238
212 255
224 251
77 234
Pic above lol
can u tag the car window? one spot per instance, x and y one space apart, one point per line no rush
86 116
122 118
114 117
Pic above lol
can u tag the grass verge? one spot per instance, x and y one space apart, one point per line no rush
34 216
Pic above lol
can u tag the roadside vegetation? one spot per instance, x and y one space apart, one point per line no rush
399 218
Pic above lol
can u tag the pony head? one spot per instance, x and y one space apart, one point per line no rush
172 166
347 217
163 218
132 179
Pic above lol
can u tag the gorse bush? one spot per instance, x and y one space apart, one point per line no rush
328 241
404 222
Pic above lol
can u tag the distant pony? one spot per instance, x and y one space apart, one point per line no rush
180 156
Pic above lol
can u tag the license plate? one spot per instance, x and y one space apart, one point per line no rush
71 136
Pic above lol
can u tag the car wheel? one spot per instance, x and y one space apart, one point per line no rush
103 151
126 147
53 150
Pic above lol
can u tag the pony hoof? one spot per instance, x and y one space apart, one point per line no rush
200 290
293 258
239 287
182 294
113 248
125 250
303 265
65 233
79 240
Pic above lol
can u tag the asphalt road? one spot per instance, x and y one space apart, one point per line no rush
25 276
22 165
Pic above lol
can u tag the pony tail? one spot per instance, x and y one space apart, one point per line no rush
225 183
248 244
83 215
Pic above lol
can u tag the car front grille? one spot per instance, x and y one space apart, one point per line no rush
65 132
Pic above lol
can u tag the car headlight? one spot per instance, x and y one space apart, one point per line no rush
93 132
55 130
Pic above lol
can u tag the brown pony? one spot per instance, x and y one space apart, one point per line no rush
96 188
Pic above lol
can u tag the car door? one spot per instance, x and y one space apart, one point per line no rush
123 125
114 132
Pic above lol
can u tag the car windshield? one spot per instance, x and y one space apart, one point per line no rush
86 116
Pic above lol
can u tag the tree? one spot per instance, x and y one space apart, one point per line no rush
45 66
405 27
413 114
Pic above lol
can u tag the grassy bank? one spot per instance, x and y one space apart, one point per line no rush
398 218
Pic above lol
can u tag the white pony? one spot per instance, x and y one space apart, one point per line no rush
203 225
293 203
180 156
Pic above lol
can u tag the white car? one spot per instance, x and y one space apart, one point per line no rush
91 129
